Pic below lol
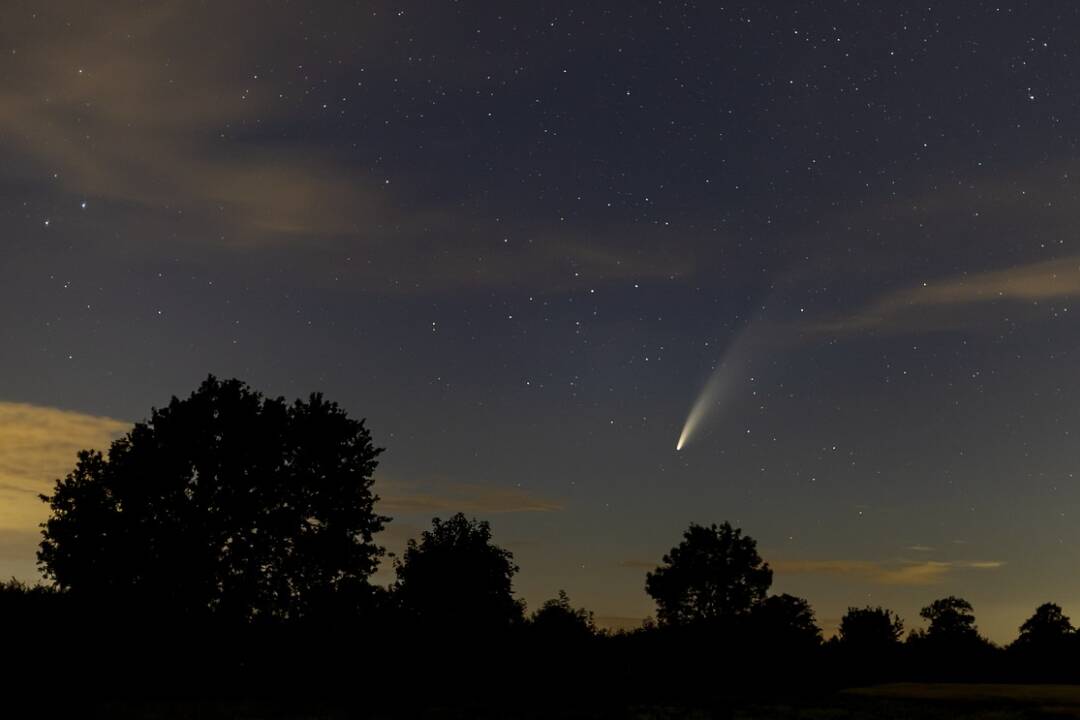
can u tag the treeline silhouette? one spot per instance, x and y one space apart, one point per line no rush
225 547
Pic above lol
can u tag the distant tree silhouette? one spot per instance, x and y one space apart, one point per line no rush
867 645
785 621
25 606
714 574
951 647
455 579
557 619
870 630
226 503
1048 627
951 618
1046 647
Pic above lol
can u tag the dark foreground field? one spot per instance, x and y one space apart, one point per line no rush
901 701
930 701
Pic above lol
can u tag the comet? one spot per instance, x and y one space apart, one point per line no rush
718 388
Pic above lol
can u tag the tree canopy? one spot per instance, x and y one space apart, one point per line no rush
870 629
950 618
456 578
714 574
225 503
786 621
558 619
1047 625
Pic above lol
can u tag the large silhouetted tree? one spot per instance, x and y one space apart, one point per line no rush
226 503
456 579
714 574
870 630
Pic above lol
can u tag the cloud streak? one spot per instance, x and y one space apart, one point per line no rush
901 572
925 304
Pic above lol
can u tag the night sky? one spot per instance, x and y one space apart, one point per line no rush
520 238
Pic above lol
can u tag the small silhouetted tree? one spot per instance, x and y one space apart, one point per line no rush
868 643
951 618
1049 626
714 574
951 648
225 504
557 619
1046 647
785 621
870 630
455 579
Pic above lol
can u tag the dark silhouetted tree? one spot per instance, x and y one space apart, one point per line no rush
26 607
226 503
951 648
1048 627
455 579
951 618
868 644
714 574
870 630
558 620
785 621
1046 647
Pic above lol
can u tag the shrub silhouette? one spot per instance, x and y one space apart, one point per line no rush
785 622
558 621
225 504
25 607
715 574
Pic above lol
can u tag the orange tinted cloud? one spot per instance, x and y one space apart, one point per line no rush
38 446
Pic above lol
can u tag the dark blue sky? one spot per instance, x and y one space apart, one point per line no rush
519 238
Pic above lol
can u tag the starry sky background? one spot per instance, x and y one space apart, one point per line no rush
519 238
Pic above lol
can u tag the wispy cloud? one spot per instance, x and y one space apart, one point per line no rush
203 149
37 446
925 304
452 497
107 114
900 572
